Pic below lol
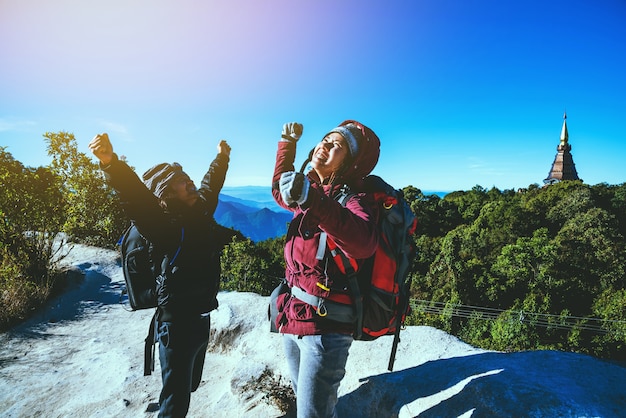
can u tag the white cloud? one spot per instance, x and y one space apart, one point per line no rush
11 124
485 168
114 127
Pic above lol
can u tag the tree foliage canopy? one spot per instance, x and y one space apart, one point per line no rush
557 251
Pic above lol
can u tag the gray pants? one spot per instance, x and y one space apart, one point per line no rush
317 363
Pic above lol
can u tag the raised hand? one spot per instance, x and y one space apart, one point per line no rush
101 147
223 147
292 131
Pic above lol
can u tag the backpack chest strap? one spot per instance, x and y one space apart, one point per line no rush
325 307
346 265
321 246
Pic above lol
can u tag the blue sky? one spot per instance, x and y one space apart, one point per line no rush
461 93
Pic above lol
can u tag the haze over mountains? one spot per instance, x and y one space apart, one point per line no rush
253 211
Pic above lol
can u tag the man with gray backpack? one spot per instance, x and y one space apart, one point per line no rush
177 220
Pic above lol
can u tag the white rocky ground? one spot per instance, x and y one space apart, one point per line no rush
83 357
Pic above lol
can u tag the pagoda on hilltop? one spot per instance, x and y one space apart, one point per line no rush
563 167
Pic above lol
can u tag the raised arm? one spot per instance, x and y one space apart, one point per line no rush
138 202
285 157
213 180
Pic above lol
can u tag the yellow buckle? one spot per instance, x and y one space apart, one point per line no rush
321 309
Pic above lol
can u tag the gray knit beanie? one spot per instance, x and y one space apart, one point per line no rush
352 134
160 176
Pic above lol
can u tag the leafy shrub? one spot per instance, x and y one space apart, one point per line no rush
19 296
31 219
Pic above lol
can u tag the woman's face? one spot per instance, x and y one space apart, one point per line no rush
329 155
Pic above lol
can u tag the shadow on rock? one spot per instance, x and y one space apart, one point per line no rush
87 290
534 383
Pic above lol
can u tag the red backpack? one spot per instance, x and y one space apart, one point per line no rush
380 288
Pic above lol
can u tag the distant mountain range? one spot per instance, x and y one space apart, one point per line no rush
252 211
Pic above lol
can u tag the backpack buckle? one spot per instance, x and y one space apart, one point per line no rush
321 308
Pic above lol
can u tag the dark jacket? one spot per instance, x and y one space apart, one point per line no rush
192 282
353 228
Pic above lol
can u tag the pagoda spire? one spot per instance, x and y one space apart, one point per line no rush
563 167
564 133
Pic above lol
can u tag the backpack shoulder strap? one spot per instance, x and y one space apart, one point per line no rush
345 193
168 262
151 338
148 357
347 265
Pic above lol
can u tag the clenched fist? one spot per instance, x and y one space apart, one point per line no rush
101 147
292 131
223 148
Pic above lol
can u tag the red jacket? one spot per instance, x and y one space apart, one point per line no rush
353 228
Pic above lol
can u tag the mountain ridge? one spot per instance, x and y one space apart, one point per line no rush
255 220
253 211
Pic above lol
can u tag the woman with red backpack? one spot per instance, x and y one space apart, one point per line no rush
316 316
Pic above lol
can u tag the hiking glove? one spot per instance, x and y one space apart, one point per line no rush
294 188
292 131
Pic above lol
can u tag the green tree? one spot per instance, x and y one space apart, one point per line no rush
469 203
32 210
610 306
249 267
612 198
590 257
435 216
545 208
94 214
426 250
522 268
